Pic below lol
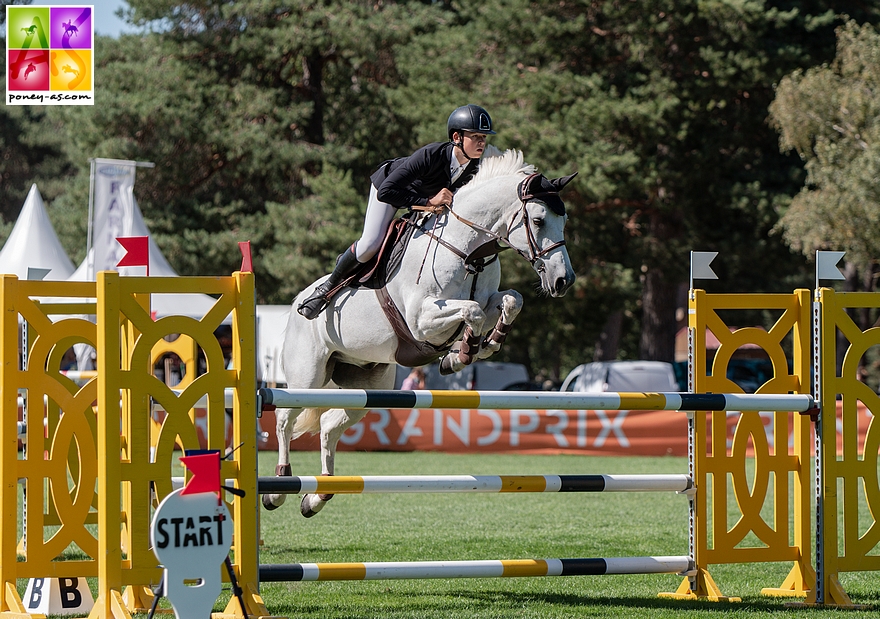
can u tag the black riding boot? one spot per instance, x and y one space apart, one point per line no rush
346 264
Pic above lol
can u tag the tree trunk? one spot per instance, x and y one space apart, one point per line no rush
608 343
657 341
313 80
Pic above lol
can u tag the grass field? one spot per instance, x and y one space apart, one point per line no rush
419 527
509 526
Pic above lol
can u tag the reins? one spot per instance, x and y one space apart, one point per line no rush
478 259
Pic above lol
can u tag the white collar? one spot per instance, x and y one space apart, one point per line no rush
456 168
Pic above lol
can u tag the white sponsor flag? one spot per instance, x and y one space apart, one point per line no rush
113 211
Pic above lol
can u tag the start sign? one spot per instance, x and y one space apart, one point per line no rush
191 536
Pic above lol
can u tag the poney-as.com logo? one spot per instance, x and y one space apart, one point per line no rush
50 55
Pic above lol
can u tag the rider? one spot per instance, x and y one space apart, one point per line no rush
424 181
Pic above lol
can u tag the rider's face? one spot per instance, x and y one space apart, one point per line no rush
474 144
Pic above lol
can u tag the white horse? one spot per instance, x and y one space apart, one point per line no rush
445 291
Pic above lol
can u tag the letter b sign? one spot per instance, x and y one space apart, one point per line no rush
58 596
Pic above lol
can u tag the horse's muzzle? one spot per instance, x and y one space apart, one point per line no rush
562 284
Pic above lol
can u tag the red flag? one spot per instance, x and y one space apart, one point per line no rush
137 251
205 469
246 263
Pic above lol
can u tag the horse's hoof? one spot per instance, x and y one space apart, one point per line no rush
307 509
268 504
446 366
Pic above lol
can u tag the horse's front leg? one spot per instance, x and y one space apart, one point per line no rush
284 420
439 316
333 424
507 304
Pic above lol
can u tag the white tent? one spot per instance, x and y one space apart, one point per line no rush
34 244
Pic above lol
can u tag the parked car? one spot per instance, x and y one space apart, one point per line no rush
627 376
531 385
749 374
479 376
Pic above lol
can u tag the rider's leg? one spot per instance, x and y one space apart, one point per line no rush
346 264
376 221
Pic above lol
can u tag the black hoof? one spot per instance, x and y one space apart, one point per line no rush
306 511
446 366
269 506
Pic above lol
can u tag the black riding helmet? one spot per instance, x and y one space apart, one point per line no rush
471 118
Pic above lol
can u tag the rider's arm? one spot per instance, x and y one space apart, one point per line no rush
424 170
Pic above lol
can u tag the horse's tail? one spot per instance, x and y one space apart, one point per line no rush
309 420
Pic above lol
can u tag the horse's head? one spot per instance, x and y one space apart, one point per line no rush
531 219
537 231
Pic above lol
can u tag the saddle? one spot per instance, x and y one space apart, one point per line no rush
374 274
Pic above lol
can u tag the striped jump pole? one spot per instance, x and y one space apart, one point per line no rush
518 400
525 400
400 570
473 483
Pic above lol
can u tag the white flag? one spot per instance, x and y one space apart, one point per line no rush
113 210
826 265
701 262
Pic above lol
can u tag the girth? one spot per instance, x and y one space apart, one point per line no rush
410 352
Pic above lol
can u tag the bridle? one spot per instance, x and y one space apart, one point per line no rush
487 252
535 253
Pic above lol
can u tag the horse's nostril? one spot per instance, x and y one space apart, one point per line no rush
563 283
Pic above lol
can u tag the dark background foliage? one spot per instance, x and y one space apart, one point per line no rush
265 118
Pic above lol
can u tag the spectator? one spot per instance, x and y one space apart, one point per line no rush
415 380
68 361
174 370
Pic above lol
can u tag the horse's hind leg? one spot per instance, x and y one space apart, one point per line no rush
333 424
284 421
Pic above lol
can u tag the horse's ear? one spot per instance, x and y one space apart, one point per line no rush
560 183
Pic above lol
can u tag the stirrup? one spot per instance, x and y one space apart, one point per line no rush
312 307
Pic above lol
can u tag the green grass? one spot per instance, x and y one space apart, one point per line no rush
422 527
496 526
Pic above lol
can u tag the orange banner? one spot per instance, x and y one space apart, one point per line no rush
585 432
654 433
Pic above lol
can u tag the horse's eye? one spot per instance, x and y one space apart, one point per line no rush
538 222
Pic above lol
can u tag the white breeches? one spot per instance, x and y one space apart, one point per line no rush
378 217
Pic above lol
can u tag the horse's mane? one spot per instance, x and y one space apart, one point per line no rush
495 164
